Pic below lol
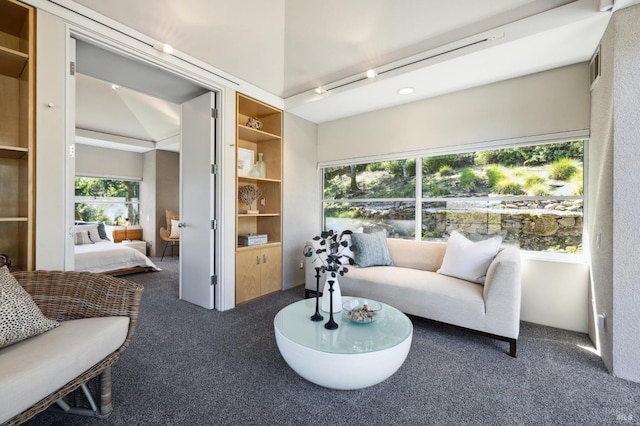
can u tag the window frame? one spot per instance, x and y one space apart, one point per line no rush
419 199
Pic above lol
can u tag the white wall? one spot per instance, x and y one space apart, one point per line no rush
50 142
555 101
555 294
300 204
148 202
615 155
97 161
548 102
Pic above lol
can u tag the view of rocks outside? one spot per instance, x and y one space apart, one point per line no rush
531 196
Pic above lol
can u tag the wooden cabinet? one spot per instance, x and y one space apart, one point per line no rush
17 89
259 131
259 272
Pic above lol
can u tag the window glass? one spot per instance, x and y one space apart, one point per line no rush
532 196
110 201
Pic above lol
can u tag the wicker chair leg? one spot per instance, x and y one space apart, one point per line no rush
106 404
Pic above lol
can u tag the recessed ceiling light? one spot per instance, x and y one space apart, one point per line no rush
371 74
320 90
405 91
115 86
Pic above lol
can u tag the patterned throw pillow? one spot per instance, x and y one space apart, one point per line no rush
371 249
20 317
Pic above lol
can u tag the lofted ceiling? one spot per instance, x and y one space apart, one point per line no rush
291 47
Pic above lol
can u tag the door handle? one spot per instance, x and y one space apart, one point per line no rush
264 258
182 225
257 260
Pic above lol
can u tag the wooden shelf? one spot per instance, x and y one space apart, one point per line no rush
17 121
259 267
257 179
259 246
254 135
13 152
12 62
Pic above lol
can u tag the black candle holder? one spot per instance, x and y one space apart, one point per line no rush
317 316
331 324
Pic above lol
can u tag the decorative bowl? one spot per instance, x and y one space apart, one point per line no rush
362 311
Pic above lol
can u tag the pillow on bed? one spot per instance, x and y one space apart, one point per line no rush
175 229
102 229
92 228
81 237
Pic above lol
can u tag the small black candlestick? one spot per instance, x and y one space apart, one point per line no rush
317 316
331 324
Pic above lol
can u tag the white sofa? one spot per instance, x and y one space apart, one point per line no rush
98 316
413 286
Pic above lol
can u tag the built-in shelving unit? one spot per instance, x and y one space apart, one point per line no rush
17 167
259 268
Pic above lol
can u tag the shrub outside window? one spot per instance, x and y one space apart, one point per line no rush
111 201
532 196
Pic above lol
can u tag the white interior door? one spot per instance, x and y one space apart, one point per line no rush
197 195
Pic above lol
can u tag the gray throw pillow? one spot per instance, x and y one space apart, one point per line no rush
20 317
371 249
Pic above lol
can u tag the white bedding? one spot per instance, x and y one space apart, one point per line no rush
106 256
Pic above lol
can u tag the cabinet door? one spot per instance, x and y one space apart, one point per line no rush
248 264
271 269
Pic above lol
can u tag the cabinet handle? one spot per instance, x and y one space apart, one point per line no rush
257 260
264 258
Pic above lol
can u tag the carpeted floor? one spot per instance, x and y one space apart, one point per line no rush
190 366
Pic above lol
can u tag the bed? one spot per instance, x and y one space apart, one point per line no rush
95 254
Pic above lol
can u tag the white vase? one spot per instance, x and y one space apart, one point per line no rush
337 296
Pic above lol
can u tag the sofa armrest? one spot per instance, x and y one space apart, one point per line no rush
68 295
502 289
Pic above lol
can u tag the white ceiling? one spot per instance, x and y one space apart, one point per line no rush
289 47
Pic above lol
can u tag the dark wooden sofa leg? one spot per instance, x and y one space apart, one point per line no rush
512 347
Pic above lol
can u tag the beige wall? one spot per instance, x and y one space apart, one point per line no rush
613 183
300 204
167 192
96 161
543 103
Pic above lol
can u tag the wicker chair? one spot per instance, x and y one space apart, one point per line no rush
165 233
72 295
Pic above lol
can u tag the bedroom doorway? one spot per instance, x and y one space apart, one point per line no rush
197 248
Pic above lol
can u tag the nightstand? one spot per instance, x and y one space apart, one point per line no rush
139 245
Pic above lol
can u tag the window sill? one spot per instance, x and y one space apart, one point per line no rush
554 257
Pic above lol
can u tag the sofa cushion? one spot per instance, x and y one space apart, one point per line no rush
467 260
423 255
371 249
422 293
20 317
34 368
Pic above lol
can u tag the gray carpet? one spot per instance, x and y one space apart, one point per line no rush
190 366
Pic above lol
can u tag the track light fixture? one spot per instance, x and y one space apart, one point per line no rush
371 74
164 48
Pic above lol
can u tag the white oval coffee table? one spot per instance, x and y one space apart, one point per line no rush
354 356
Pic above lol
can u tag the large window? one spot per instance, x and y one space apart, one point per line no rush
530 195
110 201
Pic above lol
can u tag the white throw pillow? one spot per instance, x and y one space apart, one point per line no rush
175 229
93 232
81 237
467 260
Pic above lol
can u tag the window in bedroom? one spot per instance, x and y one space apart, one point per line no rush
530 195
111 201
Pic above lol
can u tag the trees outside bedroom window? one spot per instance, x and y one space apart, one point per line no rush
530 195
111 201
